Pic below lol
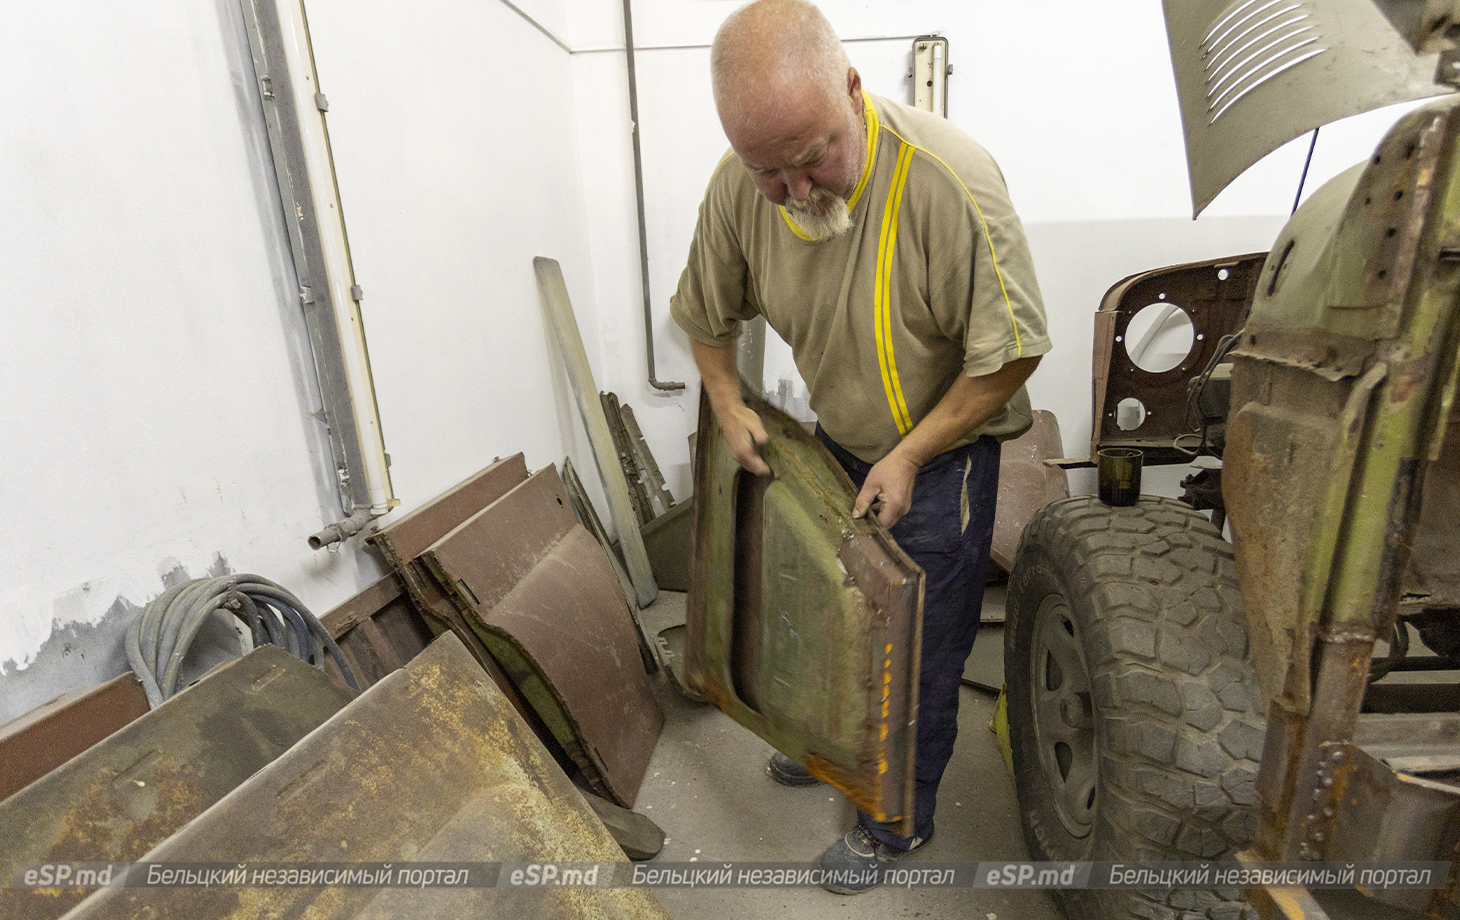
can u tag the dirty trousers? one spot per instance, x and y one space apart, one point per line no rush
947 532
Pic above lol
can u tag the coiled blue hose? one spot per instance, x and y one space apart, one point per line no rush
159 638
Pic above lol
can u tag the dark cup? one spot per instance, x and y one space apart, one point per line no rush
1120 475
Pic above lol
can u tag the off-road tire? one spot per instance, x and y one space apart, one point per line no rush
1170 717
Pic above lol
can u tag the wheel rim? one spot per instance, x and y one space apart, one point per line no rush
1064 723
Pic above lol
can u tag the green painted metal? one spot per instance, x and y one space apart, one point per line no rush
1341 387
804 624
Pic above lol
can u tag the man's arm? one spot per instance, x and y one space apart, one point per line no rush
968 403
738 422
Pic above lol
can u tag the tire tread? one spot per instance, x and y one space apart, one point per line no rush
1166 645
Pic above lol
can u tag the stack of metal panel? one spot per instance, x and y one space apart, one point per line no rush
127 794
503 563
428 766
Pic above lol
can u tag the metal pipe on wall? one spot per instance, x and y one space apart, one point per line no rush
639 197
304 170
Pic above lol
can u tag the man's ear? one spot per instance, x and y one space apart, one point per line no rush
854 82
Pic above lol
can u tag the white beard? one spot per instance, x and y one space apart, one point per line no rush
823 215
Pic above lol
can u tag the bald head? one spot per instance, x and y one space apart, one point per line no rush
772 55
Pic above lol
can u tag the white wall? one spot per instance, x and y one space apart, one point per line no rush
156 386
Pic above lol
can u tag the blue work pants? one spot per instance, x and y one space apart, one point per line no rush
947 532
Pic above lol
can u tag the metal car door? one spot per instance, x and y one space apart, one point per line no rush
804 623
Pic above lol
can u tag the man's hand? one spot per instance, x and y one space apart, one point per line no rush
888 489
738 422
743 434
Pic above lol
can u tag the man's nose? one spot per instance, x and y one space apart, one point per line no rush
798 184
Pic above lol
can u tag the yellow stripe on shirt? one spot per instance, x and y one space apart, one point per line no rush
993 256
882 293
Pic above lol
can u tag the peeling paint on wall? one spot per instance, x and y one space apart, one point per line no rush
80 652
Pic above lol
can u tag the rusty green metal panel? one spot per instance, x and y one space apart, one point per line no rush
125 795
1341 385
431 764
805 624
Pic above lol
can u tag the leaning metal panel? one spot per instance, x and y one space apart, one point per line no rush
539 591
49 735
125 795
1254 74
377 630
804 623
430 765
1026 483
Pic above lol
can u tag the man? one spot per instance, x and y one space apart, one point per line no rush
879 242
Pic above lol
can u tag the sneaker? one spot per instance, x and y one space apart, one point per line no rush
788 772
858 860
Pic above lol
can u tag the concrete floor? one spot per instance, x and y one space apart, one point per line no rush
707 788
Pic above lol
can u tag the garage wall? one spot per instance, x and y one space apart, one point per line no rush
156 386
1075 100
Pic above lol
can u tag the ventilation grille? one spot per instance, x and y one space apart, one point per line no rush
1252 41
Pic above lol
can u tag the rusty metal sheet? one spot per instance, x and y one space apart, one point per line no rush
805 624
1432 577
1027 483
1311 383
628 460
541 593
429 765
1411 742
587 516
1371 813
1215 296
49 735
660 498
377 630
125 795
405 538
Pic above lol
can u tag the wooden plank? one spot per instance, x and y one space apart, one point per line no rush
585 392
